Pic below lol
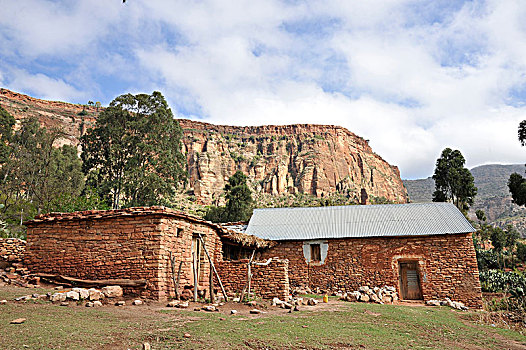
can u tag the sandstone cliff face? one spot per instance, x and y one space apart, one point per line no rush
319 160
312 159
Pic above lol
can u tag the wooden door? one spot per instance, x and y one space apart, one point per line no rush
410 281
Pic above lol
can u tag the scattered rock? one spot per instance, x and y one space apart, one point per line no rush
365 298
287 305
256 311
252 303
95 294
97 303
64 303
18 321
83 293
183 305
120 303
312 302
146 346
187 335
233 312
137 302
173 303
72 295
433 302
276 302
89 304
112 291
197 309
209 308
58 288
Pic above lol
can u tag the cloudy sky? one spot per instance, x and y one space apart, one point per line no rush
413 77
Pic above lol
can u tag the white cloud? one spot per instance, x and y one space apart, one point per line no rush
413 77
42 85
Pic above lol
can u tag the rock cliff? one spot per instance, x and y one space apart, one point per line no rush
319 160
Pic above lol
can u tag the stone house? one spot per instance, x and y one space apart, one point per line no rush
424 250
145 244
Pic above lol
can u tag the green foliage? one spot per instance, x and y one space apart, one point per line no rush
521 252
34 175
453 182
498 281
487 259
517 187
133 156
501 239
239 203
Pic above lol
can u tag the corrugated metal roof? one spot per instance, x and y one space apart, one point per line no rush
358 221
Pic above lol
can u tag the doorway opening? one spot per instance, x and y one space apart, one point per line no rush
410 287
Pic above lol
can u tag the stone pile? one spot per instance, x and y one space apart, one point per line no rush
447 302
379 295
93 296
294 302
12 269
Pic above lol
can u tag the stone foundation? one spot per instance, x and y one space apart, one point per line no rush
447 265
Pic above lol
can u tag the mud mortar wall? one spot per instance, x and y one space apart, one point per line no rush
447 265
268 281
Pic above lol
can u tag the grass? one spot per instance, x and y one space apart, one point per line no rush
333 325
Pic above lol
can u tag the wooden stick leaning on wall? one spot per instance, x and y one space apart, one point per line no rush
213 267
249 277
174 278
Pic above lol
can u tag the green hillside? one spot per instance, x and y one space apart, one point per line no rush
493 196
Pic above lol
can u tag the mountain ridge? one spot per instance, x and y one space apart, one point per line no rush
279 160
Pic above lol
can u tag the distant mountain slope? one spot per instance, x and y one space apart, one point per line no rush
493 196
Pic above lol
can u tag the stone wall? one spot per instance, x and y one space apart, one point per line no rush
12 251
131 243
447 265
268 281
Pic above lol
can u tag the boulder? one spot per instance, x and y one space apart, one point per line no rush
364 298
183 305
112 291
97 303
94 294
72 295
18 321
433 303
83 293
173 303
312 302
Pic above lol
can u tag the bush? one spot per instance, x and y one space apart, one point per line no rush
498 281
487 259
521 252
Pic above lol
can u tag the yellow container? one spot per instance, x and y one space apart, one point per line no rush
325 298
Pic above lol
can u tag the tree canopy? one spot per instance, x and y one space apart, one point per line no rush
239 203
132 155
34 175
453 182
516 182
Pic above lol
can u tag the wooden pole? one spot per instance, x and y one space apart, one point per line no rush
195 276
211 284
178 280
249 277
213 267
174 278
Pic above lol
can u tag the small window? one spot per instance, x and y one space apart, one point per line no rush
179 232
315 253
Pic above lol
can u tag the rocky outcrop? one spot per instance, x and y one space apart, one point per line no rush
318 160
312 159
